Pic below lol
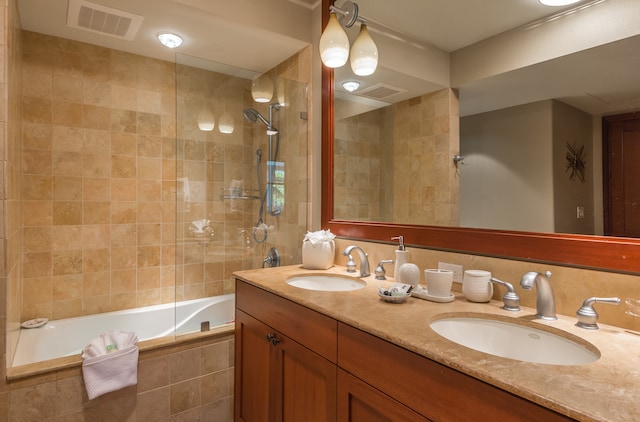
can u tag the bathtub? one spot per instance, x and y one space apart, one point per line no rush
69 336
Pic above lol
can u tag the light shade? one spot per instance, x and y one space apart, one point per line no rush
226 124
205 121
169 40
262 89
364 53
334 43
558 2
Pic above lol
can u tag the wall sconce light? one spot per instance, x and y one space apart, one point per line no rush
226 124
262 89
206 122
334 43
458 160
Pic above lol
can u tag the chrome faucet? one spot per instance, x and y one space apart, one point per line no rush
587 315
511 299
364 259
545 301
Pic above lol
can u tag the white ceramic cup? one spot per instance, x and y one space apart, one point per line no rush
477 286
438 282
409 273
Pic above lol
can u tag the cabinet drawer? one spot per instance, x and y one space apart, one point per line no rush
433 390
310 328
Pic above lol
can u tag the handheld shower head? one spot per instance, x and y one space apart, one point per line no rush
252 115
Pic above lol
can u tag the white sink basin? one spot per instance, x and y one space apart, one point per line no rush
327 283
515 341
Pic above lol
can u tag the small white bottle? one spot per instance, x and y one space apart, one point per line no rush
402 257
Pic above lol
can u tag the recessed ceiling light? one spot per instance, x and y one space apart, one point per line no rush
351 85
558 2
169 40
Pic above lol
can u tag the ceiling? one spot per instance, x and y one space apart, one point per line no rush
258 34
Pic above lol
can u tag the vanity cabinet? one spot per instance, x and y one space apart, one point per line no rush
431 389
295 364
360 402
285 355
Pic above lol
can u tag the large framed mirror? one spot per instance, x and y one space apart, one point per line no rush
619 254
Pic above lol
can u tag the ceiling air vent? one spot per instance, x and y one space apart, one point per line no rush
381 91
103 20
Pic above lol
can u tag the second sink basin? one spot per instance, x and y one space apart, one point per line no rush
327 283
514 341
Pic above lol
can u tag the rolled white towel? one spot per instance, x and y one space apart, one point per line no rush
110 363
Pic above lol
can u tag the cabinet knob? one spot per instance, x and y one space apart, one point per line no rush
273 339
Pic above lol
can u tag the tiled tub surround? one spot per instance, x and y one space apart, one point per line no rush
190 378
601 391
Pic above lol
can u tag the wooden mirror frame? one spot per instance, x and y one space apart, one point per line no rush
597 252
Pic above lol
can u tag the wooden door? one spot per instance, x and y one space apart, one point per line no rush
305 384
360 402
252 370
621 167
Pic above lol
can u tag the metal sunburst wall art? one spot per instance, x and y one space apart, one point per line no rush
576 162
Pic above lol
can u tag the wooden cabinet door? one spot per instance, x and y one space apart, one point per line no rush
359 402
305 384
277 379
252 370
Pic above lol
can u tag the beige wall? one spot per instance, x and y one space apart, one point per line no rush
99 169
571 285
425 181
515 175
510 148
394 163
11 155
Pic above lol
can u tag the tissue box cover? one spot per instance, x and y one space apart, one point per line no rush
318 255
110 372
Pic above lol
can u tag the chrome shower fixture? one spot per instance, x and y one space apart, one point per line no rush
252 115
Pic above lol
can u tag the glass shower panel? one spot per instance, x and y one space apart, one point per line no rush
241 175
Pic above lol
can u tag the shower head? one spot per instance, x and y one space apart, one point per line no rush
252 115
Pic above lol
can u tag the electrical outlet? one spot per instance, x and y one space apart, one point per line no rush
457 270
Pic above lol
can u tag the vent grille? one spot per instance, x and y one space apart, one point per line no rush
381 91
103 20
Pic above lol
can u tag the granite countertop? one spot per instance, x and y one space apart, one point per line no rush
605 390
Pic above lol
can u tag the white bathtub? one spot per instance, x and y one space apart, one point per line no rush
69 336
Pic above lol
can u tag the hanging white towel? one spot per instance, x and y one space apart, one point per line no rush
110 363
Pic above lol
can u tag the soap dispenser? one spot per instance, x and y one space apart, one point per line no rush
402 257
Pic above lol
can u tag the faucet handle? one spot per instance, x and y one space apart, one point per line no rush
511 299
351 265
380 272
587 315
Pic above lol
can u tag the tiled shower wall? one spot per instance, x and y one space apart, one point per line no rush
99 158
426 185
395 163
99 175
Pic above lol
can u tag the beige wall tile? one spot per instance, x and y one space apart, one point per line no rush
67 188
96 284
67 114
67 213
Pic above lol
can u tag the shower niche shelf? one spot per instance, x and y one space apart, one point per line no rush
242 194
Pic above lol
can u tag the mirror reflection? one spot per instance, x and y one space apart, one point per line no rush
519 134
